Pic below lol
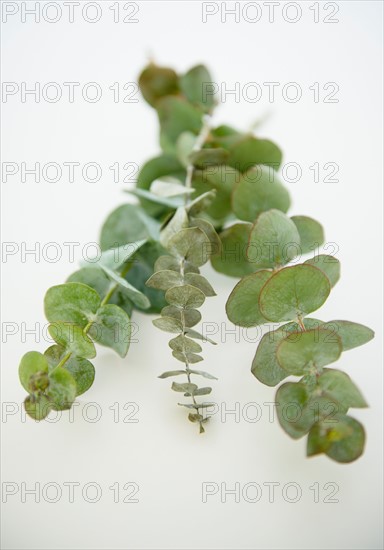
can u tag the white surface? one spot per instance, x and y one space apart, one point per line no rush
162 453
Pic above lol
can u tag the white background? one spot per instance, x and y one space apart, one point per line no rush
162 452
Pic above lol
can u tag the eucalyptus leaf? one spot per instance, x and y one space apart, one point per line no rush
170 373
351 334
198 336
184 147
209 157
250 151
37 406
185 296
274 240
32 363
169 189
178 222
137 297
195 84
169 262
242 306
62 389
343 442
257 191
73 339
203 374
112 328
304 349
187 357
265 366
157 82
329 265
165 279
210 231
124 225
292 292
232 260
186 387
190 316
340 387
168 324
199 282
192 244
71 303
183 343
311 233
176 116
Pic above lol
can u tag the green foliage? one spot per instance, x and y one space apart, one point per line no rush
188 247
211 194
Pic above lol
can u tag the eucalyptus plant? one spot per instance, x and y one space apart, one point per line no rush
212 194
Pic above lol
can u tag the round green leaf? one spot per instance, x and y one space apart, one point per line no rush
186 296
192 244
164 279
199 282
72 303
183 343
124 225
232 259
351 334
137 297
274 240
250 151
193 84
209 230
62 389
81 369
311 233
176 116
186 357
112 328
221 180
73 339
342 441
292 292
257 191
300 350
32 363
243 303
329 265
156 82
191 316
168 324
37 406
169 262
265 366
340 387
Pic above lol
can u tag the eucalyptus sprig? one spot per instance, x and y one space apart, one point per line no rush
318 403
212 193
190 242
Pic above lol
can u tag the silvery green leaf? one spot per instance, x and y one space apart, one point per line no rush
73 339
112 328
186 387
182 343
203 373
164 279
165 201
203 391
329 265
187 357
178 222
199 282
71 303
201 202
184 147
169 189
169 373
114 258
169 262
137 297
191 316
168 324
210 231
192 244
185 296
198 336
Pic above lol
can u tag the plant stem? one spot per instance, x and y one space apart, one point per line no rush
204 132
